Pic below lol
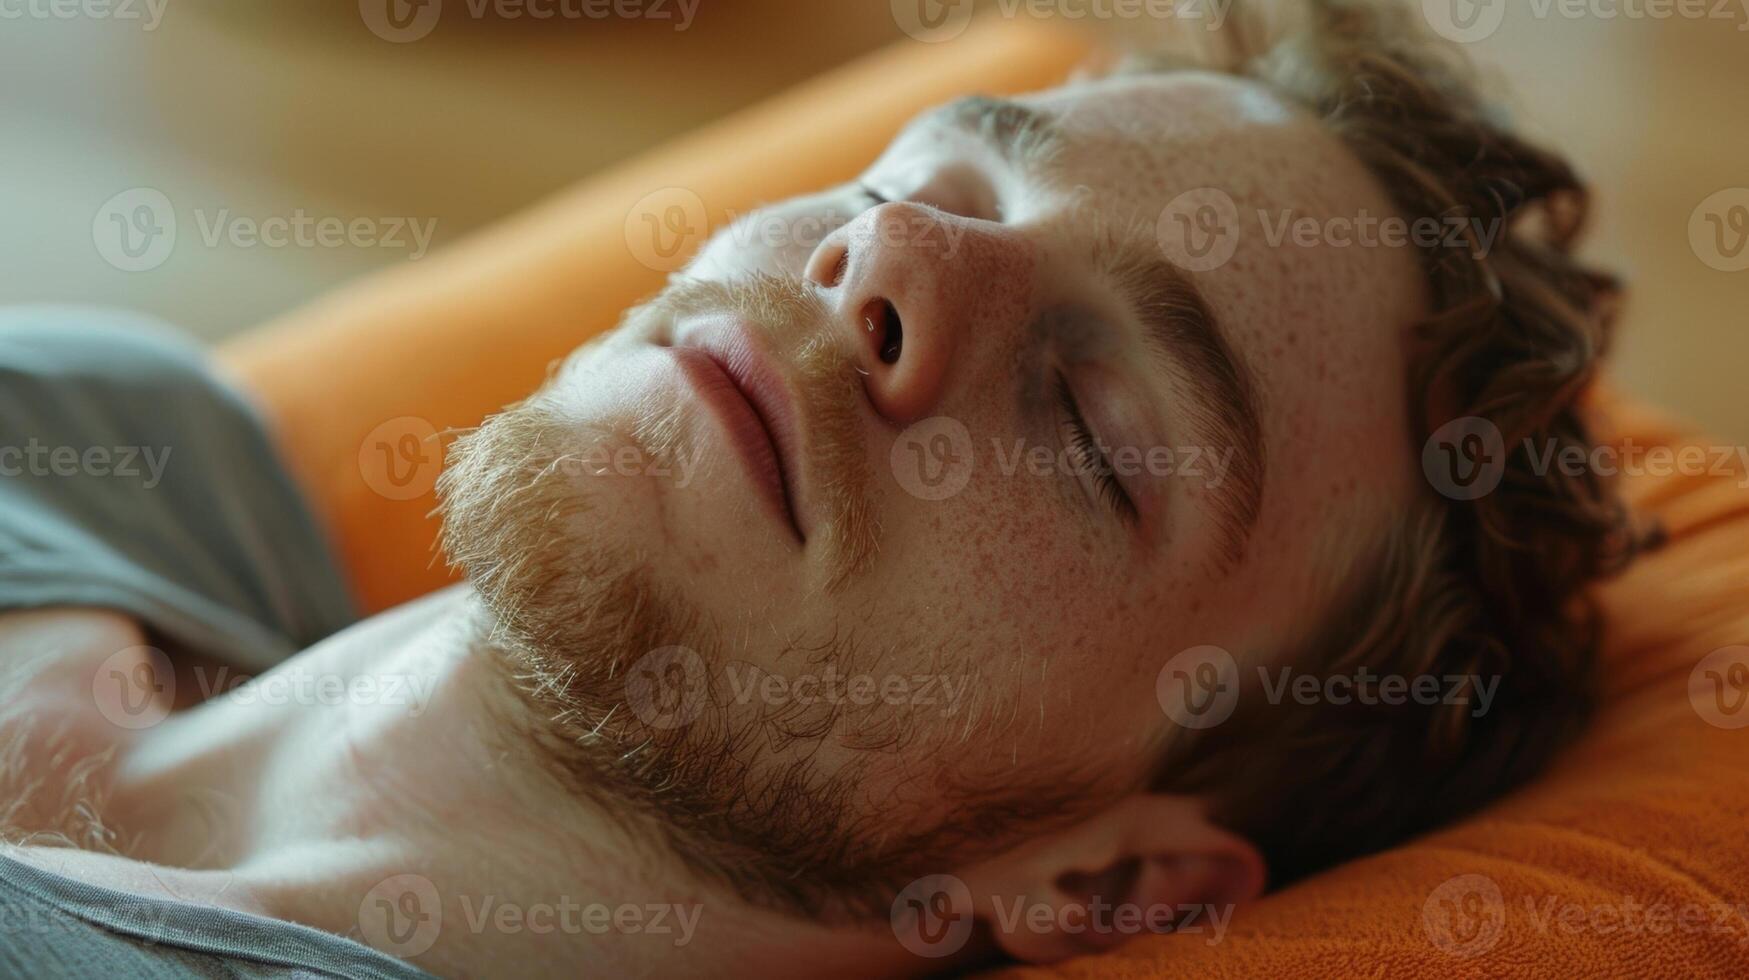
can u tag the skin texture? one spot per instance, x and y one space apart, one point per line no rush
1050 613
1053 612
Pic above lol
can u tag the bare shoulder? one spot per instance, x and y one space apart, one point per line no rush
67 628
57 740
62 638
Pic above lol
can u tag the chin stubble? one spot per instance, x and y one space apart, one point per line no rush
738 793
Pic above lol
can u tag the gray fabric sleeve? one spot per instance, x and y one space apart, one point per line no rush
132 479
53 926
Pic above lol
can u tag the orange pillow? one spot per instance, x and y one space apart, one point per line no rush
1628 855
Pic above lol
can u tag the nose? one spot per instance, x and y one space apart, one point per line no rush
904 283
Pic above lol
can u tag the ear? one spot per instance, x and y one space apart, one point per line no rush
1143 865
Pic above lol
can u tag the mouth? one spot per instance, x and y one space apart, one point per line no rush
745 394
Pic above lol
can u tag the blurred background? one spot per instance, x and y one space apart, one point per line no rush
253 109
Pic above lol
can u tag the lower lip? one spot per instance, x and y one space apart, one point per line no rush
746 431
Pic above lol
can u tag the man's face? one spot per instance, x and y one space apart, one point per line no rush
919 511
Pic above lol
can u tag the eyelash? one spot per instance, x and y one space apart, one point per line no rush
1091 457
875 198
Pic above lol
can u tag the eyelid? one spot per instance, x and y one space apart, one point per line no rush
1109 491
956 187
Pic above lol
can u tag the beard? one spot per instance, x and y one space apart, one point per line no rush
624 680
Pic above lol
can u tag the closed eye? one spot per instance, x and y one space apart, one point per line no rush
1090 457
957 190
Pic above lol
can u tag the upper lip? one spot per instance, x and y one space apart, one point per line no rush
755 375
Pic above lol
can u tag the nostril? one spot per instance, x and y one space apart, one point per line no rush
881 320
838 269
895 336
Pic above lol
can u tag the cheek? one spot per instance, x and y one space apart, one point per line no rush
1005 565
1063 643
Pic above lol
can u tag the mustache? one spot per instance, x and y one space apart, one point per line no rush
795 323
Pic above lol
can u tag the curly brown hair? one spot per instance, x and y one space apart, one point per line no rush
1494 587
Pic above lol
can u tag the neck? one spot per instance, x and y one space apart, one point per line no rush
372 784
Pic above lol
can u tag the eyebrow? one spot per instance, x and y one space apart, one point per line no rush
1022 136
1185 337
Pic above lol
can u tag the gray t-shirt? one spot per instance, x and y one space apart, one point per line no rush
131 479
54 926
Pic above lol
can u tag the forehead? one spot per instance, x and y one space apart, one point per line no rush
1321 326
1130 138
